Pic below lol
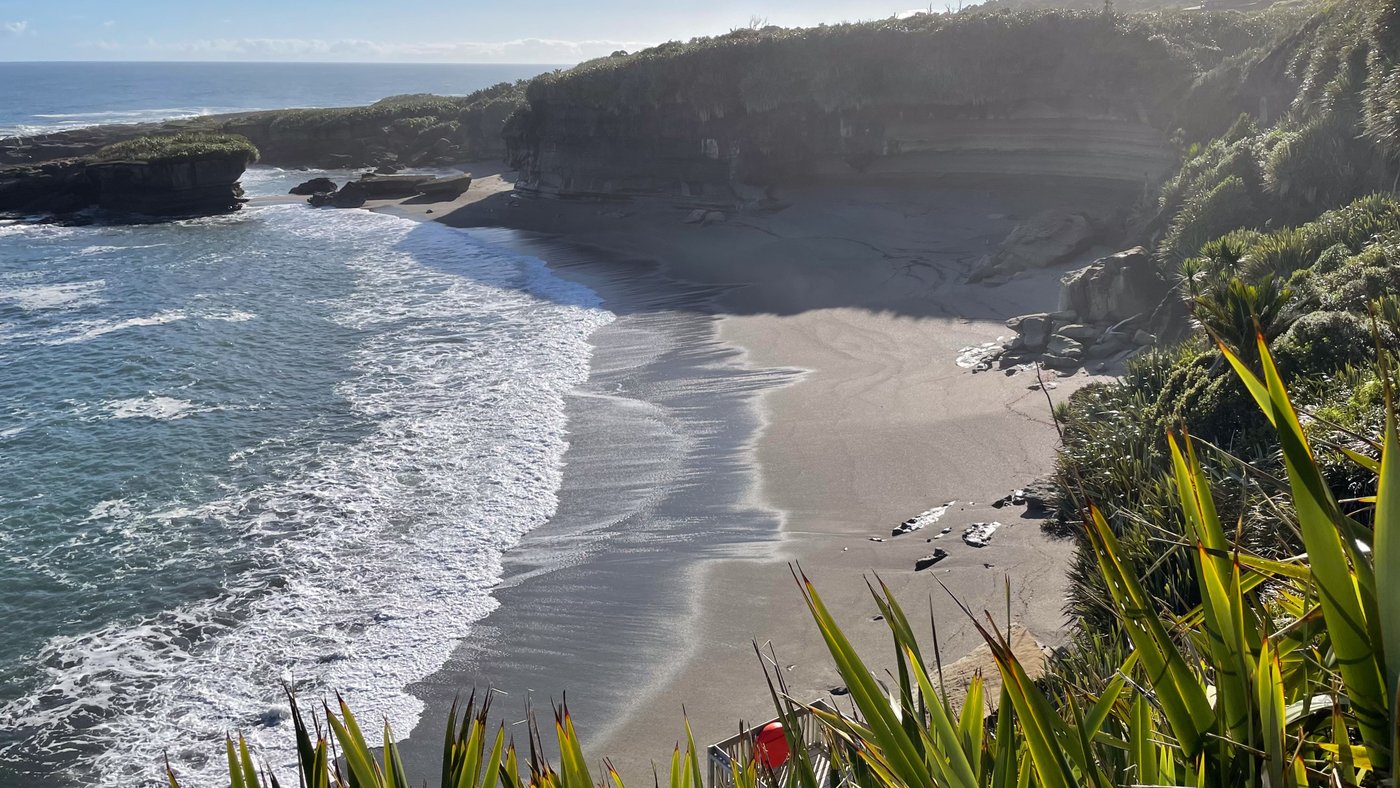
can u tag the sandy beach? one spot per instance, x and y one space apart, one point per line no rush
783 388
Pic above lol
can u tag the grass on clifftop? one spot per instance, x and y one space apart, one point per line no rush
180 147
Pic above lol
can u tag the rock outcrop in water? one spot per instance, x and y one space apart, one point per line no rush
191 175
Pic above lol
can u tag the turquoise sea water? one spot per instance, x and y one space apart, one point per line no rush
280 445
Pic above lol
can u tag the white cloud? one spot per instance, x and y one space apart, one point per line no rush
15 28
524 50
109 23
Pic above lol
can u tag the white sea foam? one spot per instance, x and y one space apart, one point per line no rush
156 408
91 251
65 121
66 295
85 331
114 509
372 560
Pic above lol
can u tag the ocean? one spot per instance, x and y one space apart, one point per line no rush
40 97
285 445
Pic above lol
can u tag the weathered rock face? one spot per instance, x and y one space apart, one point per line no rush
199 187
53 187
196 187
673 150
1046 239
1119 287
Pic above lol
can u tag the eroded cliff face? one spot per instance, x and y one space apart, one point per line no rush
1062 94
671 150
195 187
200 186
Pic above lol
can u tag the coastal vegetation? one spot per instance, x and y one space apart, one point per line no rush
417 112
407 129
180 147
1288 229
1283 673
922 60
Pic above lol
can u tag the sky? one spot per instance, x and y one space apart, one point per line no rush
461 31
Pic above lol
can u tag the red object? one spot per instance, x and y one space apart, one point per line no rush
770 746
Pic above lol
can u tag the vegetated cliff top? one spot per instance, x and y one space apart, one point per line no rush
179 147
1140 6
425 109
970 58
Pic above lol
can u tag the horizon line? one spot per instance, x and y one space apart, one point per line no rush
299 62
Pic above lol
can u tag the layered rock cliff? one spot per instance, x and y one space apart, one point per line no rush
191 175
1060 94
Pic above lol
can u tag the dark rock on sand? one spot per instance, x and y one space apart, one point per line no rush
930 559
1040 498
345 198
446 188
388 187
1104 308
1119 287
1048 238
314 186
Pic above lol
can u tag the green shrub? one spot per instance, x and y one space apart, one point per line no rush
1324 342
1226 206
1315 165
1234 311
1372 273
180 147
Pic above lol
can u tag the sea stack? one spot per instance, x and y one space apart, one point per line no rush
179 175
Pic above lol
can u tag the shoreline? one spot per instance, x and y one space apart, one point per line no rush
659 463
880 425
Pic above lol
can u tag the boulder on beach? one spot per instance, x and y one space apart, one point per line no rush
930 559
1119 287
313 186
446 188
1048 238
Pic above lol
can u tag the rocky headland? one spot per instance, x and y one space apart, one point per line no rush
404 131
178 175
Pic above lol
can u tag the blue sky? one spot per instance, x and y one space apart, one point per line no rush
524 31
